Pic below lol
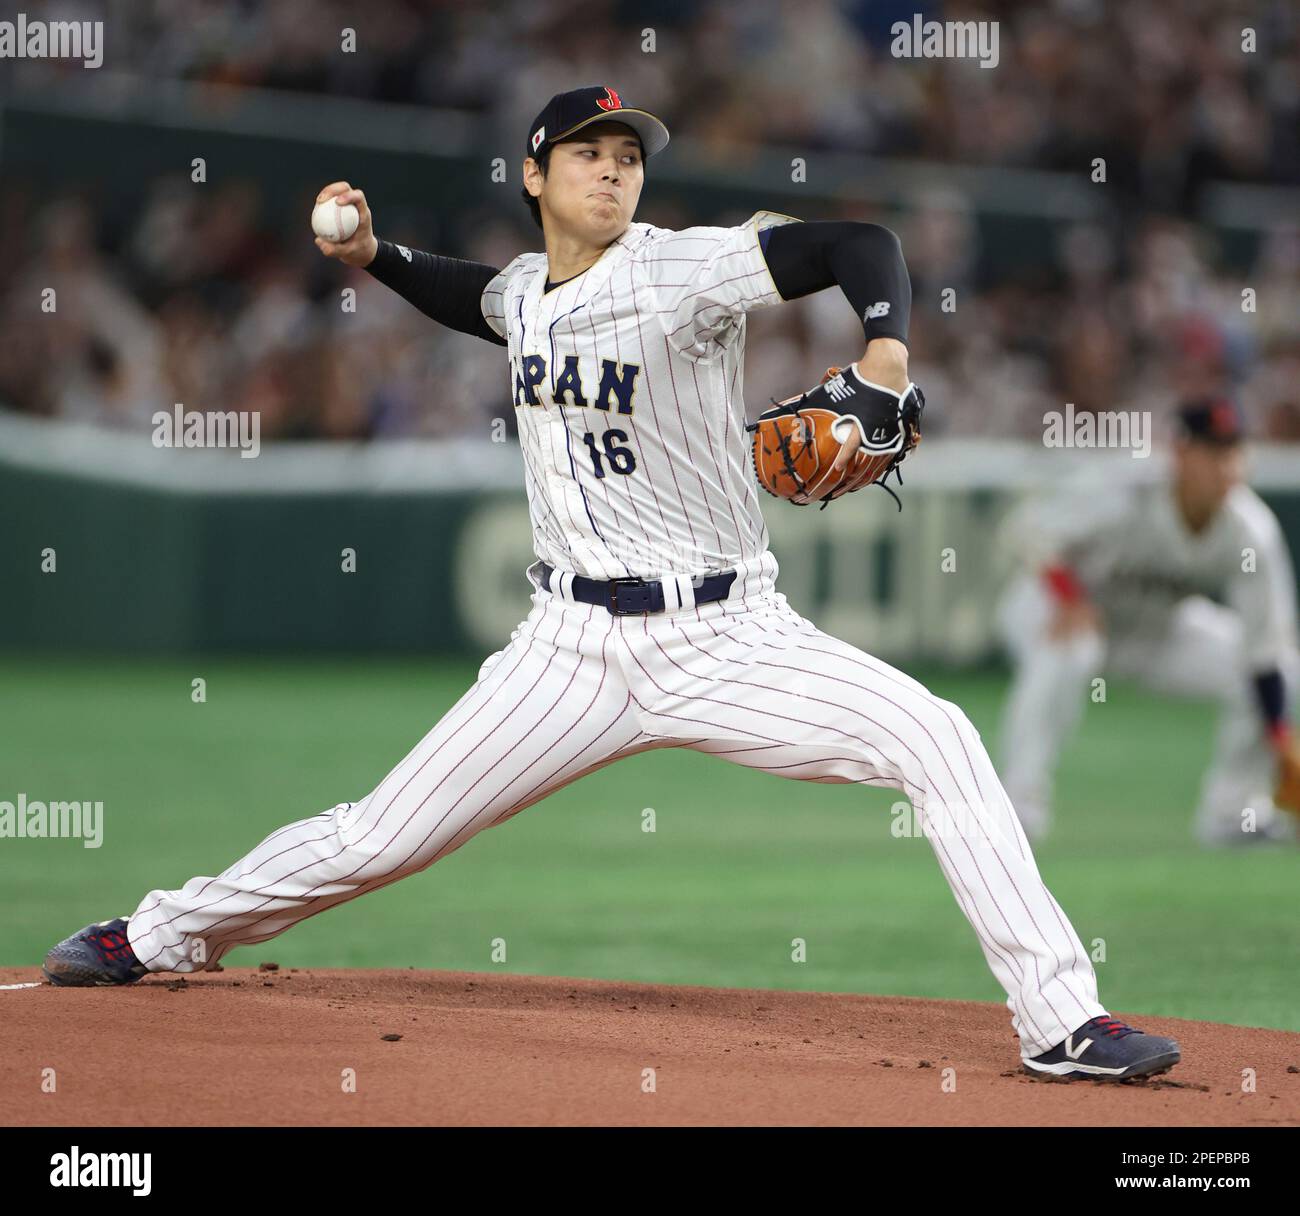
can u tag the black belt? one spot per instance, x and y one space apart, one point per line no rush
628 596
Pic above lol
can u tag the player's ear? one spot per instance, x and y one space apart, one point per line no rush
532 177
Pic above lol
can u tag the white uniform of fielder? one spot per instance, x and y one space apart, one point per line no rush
1186 614
628 385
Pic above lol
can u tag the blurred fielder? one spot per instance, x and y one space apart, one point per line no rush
1186 586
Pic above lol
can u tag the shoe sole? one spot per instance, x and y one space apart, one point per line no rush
1082 1072
75 977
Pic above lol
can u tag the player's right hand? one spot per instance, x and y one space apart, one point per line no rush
360 248
1074 617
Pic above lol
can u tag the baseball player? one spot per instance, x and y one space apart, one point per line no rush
1184 585
655 617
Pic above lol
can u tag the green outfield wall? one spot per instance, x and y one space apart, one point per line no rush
317 547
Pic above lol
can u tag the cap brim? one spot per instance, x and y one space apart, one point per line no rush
653 133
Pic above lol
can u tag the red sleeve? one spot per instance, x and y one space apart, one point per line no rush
1064 584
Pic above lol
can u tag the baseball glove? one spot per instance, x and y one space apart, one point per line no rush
1287 793
797 440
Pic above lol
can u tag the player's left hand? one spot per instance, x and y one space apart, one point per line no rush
862 471
895 421
836 438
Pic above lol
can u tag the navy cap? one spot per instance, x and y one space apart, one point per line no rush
1214 420
568 112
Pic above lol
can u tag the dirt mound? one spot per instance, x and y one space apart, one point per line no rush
293 1046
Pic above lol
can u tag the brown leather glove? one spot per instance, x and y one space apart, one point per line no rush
1287 793
795 443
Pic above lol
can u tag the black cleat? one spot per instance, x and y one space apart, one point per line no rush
98 956
1104 1049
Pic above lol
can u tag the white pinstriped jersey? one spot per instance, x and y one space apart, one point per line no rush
628 387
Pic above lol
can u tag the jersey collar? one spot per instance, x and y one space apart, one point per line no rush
580 290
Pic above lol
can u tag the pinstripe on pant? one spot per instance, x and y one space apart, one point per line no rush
746 679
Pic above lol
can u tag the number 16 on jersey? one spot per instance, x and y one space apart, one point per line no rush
620 459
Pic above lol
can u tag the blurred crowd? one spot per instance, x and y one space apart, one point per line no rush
203 299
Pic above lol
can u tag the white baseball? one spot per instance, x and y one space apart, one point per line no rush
333 222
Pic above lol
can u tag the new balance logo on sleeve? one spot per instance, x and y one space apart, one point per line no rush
873 312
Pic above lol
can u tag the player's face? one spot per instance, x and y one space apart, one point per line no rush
582 175
1207 472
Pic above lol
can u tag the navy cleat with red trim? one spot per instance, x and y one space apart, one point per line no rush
98 956
1104 1049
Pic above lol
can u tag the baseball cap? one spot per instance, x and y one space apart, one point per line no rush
567 112
1215 420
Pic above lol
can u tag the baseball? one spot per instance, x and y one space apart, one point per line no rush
333 222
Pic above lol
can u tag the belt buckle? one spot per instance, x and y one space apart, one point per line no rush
611 600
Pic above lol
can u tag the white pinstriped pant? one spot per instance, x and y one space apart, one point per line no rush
744 678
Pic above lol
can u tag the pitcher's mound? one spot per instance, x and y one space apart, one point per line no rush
291 1046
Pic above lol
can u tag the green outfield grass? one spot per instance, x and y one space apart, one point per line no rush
741 863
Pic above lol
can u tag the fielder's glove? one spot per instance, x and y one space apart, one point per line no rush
797 440
1287 793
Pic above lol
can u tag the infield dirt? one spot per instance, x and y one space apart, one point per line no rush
251 1047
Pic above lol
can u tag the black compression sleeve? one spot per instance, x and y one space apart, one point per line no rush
1270 694
866 261
447 289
